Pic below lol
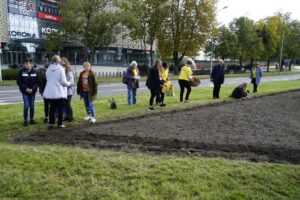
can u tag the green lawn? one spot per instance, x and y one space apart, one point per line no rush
55 172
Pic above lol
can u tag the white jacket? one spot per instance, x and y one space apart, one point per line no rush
56 86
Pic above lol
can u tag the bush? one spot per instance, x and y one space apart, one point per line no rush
10 74
144 69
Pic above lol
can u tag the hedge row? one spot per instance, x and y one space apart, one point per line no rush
10 74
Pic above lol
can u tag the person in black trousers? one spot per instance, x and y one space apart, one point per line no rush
27 81
42 84
217 77
240 91
153 83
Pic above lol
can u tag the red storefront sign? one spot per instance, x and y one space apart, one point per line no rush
46 16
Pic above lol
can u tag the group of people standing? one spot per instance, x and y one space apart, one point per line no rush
56 86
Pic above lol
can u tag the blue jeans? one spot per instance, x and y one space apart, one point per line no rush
131 95
89 104
28 100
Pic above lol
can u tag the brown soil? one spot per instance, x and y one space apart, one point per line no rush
258 129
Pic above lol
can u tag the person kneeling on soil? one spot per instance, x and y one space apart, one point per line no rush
240 91
87 89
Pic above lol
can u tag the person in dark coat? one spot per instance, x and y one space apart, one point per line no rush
153 83
42 84
217 77
240 91
27 81
132 76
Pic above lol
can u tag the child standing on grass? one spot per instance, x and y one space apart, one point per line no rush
184 78
70 90
27 81
87 89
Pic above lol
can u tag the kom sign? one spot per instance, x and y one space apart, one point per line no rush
22 7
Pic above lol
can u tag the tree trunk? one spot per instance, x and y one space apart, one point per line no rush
151 55
176 63
268 66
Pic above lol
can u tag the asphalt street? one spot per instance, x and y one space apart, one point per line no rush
11 94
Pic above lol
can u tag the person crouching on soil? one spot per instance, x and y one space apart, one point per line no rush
132 75
56 91
153 83
71 90
217 76
27 81
87 89
255 76
240 91
184 78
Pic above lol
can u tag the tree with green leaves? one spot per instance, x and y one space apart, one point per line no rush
226 44
92 24
269 31
144 18
249 42
188 24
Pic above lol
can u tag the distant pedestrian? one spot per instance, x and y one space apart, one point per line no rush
27 81
255 76
153 83
87 89
56 91
184 80
217 77
240 91
132 76
70 90
42 84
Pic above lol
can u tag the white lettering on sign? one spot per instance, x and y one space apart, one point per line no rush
47 30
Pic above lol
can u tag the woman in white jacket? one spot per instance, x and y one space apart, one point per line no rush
56 91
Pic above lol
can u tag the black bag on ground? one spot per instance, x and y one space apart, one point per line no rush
113 104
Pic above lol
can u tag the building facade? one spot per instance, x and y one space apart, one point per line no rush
25 26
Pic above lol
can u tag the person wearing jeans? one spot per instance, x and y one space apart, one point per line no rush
87 89
27 81
132 76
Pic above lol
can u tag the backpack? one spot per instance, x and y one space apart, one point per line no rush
125 80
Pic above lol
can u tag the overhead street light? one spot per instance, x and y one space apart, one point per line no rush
212 43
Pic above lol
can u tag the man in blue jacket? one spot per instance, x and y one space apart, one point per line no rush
217 77
27 81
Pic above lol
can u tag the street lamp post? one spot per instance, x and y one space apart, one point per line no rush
212 43
281 46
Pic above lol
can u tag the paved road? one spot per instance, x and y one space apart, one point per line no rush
11 94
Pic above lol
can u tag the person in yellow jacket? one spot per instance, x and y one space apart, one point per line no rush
184 78
163 74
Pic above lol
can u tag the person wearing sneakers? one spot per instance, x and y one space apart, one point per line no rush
87 89
184 78
132 75
153 83
56 91
27 81
71 90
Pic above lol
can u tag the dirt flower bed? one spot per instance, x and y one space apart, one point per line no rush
266 128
